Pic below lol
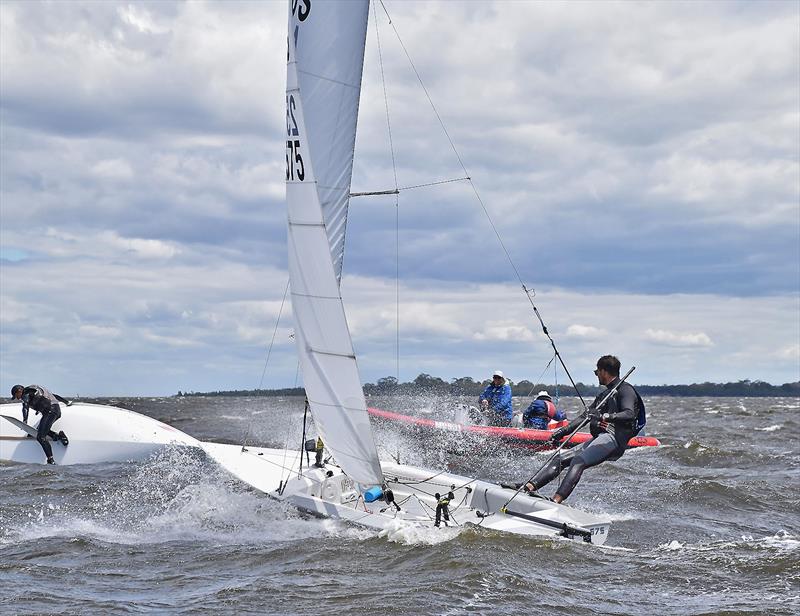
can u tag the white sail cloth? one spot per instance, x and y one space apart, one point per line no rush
323 83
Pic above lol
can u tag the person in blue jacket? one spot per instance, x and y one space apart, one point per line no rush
495 401
541 411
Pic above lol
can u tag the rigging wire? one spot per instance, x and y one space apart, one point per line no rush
555 379
437 183
483 206
396 197
539 378
266 361
399 189
274 332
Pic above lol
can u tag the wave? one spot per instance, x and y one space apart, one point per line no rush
782 540
722 497
174 496
413 534
733 455
178 496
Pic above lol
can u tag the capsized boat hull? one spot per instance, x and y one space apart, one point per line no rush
517 437
327 492
97 433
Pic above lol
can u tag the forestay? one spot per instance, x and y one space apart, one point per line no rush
323 83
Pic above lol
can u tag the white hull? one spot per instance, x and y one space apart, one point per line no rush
96 432
99 433
477 503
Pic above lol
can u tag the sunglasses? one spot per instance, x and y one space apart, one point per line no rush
597 372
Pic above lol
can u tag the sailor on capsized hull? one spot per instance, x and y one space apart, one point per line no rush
42 401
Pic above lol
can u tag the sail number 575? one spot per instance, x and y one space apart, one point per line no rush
294 161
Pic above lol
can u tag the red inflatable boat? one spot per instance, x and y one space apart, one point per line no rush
518 437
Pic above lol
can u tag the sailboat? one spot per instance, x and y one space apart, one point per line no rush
325 56
326 43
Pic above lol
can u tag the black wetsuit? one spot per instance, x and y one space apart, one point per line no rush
607 443
42 401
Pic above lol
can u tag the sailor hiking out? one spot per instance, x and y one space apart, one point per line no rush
43 402
611 426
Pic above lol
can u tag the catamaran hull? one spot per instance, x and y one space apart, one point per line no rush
327 492
97 433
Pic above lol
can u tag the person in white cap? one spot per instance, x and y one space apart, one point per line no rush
495 400
541 411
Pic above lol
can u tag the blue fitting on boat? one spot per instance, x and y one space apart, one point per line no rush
373 494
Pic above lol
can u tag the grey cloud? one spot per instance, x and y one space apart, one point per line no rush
626 151
94 69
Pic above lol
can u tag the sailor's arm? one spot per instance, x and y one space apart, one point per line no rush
483 399
572 425
626 406
578 421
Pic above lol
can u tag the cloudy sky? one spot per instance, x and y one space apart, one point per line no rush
641 162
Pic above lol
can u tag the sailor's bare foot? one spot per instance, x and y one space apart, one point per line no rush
557 498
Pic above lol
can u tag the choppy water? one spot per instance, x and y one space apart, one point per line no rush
706 524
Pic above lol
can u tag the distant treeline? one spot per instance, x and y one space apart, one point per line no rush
465 386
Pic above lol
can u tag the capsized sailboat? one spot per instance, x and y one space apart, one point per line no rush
97 433
325 56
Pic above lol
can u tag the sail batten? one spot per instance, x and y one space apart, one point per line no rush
323 84
324 78
335 353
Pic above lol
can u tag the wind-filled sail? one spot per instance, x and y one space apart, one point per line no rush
323 84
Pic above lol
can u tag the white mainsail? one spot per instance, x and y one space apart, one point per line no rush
323 83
